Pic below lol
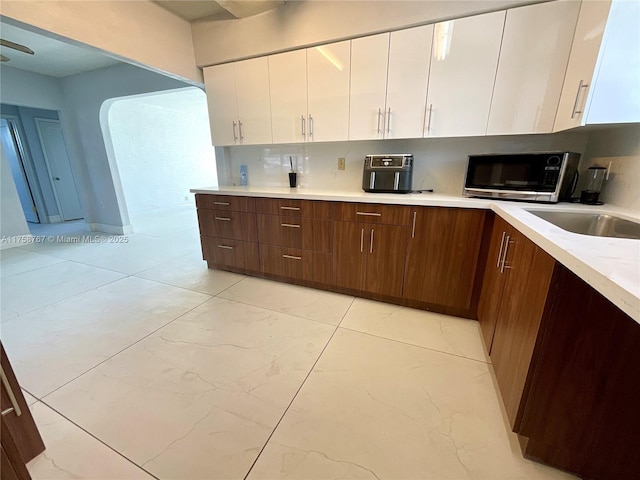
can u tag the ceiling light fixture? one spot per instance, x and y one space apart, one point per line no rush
16 46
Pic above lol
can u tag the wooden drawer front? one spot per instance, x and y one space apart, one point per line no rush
294 263
227 224
295 208
372 213
232 253
295 232
226 202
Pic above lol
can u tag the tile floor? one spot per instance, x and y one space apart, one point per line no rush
139 362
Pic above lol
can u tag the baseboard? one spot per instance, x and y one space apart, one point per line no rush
112 229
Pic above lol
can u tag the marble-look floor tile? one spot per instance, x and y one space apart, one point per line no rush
55 344
191 272
17 260
28 291
72 453
303 302
30 399
375 408
198 398
444 333
162 222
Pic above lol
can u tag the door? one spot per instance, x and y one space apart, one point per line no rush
288 88
533 60
220 85
409 62
464 61
254 108
11 153
328 74
385 248
348 254
369 59
56 155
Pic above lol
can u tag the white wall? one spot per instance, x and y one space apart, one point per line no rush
12 221
140 32
300 24
162 145
439 163
620 146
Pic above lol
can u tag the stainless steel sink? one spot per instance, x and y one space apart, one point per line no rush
599 225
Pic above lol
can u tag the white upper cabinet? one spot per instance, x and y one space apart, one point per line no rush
533 61
464 60
328 92
409 60
369 56
288 87
615 97
254 107
582 61
238 101
220 85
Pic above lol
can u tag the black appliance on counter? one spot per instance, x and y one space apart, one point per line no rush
535 177
388 173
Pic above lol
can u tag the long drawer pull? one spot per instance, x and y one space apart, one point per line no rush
289 225
12 398
413 229
369 214
226 219
297 209
226 247
292 257
371 242
221 203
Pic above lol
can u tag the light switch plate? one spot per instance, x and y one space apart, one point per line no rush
341 163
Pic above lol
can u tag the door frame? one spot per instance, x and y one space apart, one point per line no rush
38 121
33 181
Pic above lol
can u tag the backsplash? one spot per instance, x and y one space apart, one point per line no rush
439 163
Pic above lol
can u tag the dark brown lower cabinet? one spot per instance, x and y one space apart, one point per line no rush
20 439
223 252
296 264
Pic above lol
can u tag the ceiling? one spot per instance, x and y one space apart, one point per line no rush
201 10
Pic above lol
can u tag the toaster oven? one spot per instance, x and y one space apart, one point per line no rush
388 173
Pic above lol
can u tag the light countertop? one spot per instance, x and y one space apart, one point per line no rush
610 265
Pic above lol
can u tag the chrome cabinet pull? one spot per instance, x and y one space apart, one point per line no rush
429 121
575 110
221 203
12 398
304 133
240 128
289 225
378 127
371 245
292 257
310 126
389 120
290 208
235 133
362 240
226 247
504 256
224 219
500 252
370 214
413 229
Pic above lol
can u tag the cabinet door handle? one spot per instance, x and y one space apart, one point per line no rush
575 110
224 219
226 247
12 398
369 214
292 257
310 126
389 120
235 133
504 256
289 225
429 120
297 209
378 127
500 252
371 245
304 130
413 228
362 240
221 203
241 132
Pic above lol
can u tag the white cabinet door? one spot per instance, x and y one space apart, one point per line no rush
328 92
254 108
369 57
288 87
615 96
220 86
409 59
533 61
582 61
464 60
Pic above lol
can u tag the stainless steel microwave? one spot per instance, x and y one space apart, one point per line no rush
535 177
